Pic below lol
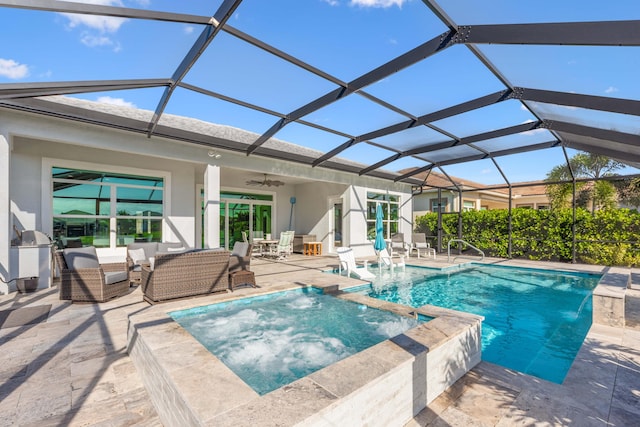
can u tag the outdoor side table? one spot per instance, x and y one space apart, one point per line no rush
312 248
242 277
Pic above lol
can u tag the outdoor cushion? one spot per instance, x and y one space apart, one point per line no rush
148 247
137 255
180 249
164 246
77 258
111 277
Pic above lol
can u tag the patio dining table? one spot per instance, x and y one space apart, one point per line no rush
266 245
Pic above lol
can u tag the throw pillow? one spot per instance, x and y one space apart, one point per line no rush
137 255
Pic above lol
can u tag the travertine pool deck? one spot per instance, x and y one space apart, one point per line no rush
74 368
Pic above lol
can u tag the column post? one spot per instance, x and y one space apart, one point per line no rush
5 213
211 207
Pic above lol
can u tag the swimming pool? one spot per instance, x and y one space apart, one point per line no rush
535 320
272 340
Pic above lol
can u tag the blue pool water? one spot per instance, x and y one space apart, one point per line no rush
273 340
535 320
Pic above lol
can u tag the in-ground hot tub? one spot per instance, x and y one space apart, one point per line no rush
385 384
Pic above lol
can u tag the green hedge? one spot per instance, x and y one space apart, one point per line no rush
609 237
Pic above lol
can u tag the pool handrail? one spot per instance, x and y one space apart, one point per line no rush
466 243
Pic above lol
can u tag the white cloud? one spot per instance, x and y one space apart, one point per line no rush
92 40
95 28
486 171
332 2
188 29
116 101
611 89
104 24
12 69
377 3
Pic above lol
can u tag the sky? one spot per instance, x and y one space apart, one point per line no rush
345 38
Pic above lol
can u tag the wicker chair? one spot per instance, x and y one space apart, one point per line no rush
240 258
184 274
83 278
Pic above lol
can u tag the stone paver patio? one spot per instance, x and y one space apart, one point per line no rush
74 369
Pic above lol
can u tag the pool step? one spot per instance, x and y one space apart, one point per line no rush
635 279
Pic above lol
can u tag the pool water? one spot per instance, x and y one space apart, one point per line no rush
273 340
535 320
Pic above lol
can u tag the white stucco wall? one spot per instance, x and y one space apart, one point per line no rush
313 211
30 184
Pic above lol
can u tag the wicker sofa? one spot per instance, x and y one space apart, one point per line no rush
173 275
83 278
149 250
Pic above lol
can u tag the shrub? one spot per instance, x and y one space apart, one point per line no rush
607 237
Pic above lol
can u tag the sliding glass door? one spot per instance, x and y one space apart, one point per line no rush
242 212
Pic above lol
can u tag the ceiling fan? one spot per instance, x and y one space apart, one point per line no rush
265 182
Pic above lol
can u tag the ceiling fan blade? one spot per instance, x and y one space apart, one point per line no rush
265 181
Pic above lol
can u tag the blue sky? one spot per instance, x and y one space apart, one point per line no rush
345 38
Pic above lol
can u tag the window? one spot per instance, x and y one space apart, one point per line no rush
390 205
434 205
88 205
543 207
468 206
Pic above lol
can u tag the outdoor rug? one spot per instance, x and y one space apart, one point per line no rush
24 316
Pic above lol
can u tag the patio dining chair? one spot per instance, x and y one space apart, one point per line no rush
284 247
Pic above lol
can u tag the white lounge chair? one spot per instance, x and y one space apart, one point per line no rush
420 244
348 263
384 258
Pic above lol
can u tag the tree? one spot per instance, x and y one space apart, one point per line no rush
629 192
596 195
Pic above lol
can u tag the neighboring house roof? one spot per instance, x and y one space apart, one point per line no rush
438 180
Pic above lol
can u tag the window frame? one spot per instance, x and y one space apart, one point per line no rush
468 205
388 201
48 196
443 207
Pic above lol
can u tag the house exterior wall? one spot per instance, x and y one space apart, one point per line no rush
313 210
31 144
481 199
539 201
